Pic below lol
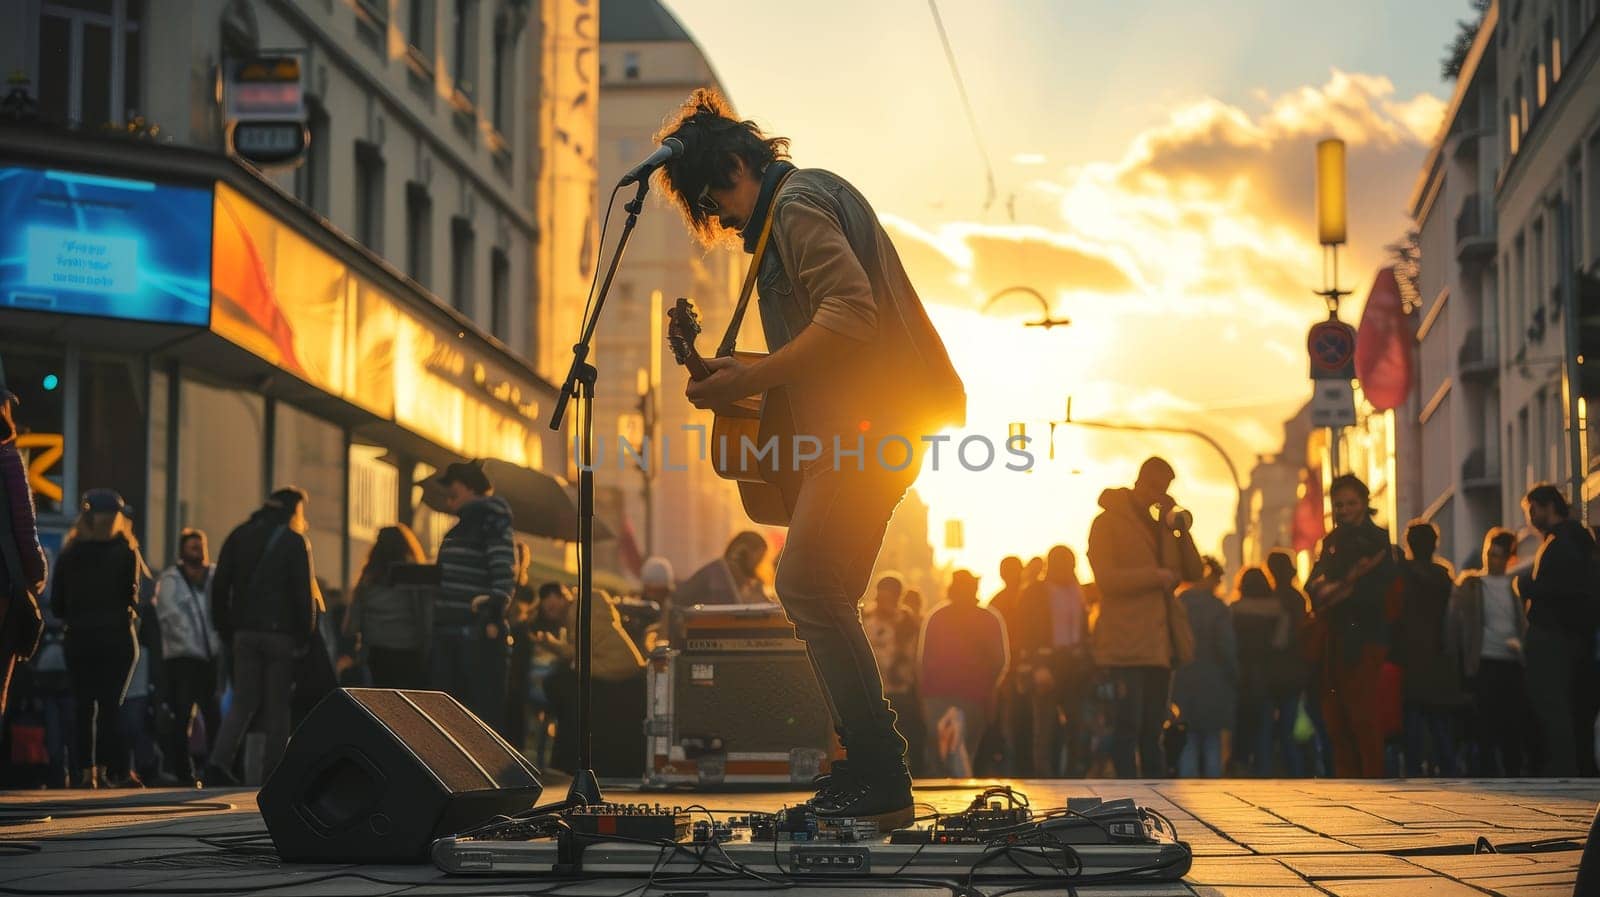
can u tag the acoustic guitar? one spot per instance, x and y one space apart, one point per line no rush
752 442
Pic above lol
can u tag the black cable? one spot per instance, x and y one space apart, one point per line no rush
966 104
599 254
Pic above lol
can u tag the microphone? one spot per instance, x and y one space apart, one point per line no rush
669 148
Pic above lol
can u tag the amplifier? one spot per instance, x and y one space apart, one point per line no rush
735 703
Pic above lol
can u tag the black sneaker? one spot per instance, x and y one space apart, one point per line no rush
838 771
882 797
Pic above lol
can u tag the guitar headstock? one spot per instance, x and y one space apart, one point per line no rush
683 328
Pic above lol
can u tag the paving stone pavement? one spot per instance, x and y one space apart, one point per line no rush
1250 838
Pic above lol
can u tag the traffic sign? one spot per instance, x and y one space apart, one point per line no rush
1331 345
267 109
1333 404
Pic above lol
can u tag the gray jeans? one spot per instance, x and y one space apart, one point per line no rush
834 537
263 682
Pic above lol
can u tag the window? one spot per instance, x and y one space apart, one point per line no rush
503 84
464 51
461 238
1519 295
630 65
311 178
1520 123
369 195
420 27
1552 40
89 61
309 452
375 12
1536 74
419 233
1536 270
500 295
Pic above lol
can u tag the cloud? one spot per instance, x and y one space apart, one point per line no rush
1187 267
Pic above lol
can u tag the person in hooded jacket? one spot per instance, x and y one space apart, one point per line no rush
96 593
264 604
1140 548
477 573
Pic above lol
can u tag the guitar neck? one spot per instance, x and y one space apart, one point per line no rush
696 367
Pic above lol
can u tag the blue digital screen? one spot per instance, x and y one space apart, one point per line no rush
88 244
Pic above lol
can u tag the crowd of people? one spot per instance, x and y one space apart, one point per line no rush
1385 662
143 678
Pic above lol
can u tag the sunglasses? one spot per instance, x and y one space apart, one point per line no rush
705 202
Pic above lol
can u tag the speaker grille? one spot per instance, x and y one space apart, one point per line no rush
758 702
503 763
423 736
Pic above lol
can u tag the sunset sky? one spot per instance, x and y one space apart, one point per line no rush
1153 176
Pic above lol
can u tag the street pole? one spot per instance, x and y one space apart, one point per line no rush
651 411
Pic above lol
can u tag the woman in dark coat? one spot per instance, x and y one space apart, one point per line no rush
96 593
1206 688
1270 671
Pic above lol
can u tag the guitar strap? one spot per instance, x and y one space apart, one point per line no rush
731 336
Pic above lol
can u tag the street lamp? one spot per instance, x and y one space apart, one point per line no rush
1046 322
1201 435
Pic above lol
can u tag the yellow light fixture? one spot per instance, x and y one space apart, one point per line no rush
1330 192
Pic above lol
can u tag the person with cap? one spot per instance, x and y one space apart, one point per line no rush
264 604
963 658
477 574
22 560
656 583
96 594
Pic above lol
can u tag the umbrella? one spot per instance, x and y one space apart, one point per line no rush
541 505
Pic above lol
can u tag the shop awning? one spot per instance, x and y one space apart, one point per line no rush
541 505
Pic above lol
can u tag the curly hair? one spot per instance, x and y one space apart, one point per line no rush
714 138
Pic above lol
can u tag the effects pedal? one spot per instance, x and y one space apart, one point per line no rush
802 824
634 822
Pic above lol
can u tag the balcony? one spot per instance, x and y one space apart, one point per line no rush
1477 357
1474 231
1476 472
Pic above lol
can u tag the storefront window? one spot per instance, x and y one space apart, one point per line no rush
219 458
374 488
36 376
310 453
113 411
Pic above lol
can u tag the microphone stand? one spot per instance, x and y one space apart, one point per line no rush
580 384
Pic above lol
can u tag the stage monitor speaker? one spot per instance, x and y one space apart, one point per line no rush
375 775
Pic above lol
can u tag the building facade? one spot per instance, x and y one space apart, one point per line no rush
1459 335
648 65
1547 196
1506 208
347 324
